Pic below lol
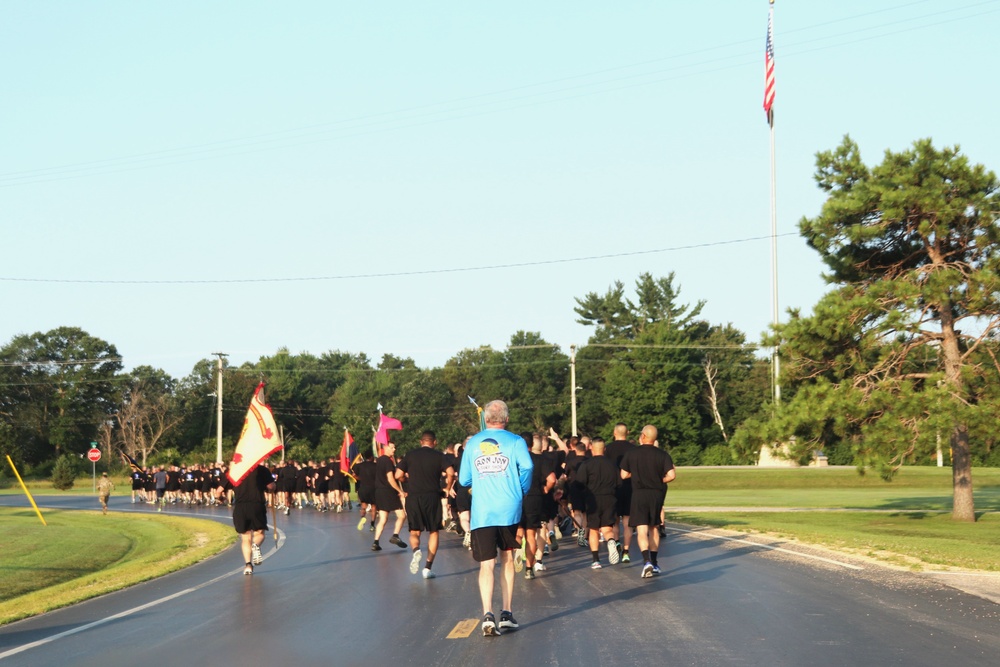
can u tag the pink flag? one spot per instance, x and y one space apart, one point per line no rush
386 423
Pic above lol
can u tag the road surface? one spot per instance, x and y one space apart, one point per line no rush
322 598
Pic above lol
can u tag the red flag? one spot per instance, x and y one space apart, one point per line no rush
384 425
769 65
258 440
349 455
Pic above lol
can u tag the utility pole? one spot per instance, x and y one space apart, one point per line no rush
218 425
572 386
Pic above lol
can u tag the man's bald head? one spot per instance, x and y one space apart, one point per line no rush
621 431
648 435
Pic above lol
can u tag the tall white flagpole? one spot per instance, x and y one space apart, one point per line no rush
769 91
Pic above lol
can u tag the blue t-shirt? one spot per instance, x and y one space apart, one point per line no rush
497 466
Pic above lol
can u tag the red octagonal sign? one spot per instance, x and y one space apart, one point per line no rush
94 455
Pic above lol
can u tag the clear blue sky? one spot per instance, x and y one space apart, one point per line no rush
304 143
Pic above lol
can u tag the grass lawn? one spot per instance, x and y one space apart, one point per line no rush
914 540
82 554
920 535
912 489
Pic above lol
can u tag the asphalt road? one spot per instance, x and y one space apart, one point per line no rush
322 598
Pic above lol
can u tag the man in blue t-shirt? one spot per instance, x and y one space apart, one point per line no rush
497 466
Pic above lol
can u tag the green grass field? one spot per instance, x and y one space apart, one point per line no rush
82 554
912 526
912 489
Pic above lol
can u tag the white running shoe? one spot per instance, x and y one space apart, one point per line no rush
415 562
257 557
428 574
539 567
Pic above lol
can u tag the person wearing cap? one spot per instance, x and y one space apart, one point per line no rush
104 489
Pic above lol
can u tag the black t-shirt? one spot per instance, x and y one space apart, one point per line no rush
648 465
365 470
616 450
599 475
384 466
251 489
424 466
539 473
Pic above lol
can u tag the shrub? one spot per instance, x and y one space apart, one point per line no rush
64 473
717 455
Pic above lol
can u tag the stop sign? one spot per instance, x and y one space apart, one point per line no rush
94 455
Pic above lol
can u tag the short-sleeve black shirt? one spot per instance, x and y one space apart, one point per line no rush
424 466
599 475
648 465
383 466
251 489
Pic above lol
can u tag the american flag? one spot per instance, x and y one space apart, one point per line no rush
769 67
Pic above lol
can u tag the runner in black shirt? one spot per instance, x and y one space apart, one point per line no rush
600 478
615 450
388 496
364 470
650 469
250 514
422 469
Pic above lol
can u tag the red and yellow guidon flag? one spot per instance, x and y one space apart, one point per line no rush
258 440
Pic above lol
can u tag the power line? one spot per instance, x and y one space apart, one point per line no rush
397 274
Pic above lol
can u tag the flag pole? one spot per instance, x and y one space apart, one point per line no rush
769 101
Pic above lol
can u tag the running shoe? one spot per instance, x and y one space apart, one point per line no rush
361 524
287 511
529 574
490 625
372 528
350 505
626 558
415 562
518 560
467 541
581 538
257 558
656 570
248 569
663 531
539 566
595 566
507 620
553 542
376 547
614 556
647 570
428 574
398 542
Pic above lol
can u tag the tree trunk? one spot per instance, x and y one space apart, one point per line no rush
963 508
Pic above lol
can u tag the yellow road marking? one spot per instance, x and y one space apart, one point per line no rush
463 629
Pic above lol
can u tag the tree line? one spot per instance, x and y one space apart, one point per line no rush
896 364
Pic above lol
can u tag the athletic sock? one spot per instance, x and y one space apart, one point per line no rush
596 555
652 557
645 555
375 542
429 564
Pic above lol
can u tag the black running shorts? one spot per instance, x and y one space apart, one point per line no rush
423 511
646 506
249 516
486 541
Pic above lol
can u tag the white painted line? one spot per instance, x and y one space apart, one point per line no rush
129 612
698 533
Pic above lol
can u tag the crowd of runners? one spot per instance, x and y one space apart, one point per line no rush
535 489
